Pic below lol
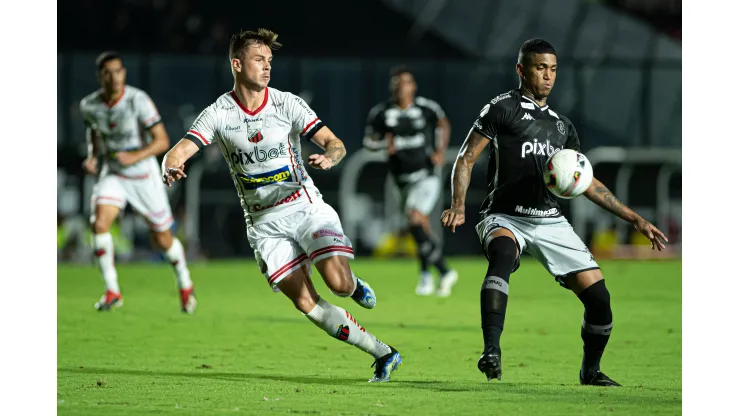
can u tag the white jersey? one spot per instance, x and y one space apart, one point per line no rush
263 151
122 127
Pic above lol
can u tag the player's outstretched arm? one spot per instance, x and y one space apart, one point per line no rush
334 150
469 152
603 197
173 164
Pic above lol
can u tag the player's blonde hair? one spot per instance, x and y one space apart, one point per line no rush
246 38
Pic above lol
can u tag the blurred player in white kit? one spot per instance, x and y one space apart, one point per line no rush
119 120
260 131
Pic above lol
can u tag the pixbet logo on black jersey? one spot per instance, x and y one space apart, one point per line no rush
258 155
539 149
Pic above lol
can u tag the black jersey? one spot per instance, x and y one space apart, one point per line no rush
523 135
414 136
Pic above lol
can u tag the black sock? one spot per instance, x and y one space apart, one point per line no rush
596 327
424 245
494 294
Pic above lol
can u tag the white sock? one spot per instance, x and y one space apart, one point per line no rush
338 323
103 248
176 256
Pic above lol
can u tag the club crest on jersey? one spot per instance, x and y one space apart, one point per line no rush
561 127
259 180
255 137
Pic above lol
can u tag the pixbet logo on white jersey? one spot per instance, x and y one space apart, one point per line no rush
539 149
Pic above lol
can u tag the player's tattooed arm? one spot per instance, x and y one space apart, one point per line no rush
461 171
603 197
463 168
334 150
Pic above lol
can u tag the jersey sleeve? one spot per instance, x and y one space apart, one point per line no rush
87 116
493 117
439 113
304 119
572 141
375 129
146 111
204 128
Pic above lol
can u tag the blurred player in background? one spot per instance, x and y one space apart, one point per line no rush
521 214
260 132
124 125
406 125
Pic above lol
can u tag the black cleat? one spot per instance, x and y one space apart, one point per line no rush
598 379
490 364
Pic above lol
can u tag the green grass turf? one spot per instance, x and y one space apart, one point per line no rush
247 351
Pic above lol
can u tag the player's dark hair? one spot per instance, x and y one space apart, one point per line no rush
400 69
106 56
246 38
533 47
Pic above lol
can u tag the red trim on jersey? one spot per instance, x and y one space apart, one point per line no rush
332 249
116 102
144 176
108 197
296 261
244 107
200 136
309 126
159 224
309 196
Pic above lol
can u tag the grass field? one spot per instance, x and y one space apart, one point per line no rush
247 351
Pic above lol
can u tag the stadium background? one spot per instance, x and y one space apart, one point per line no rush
619 81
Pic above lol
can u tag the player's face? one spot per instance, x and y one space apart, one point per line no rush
538 74
256 66
113 76
403 85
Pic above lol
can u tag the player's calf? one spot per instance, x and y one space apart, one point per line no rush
596 327
174 252
502 254
342 282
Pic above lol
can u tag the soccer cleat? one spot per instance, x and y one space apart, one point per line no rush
109 300
187 300
446 282
425 287
598 379
364 295
490 364
385 365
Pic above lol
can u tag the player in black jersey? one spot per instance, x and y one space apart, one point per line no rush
406 125
520 214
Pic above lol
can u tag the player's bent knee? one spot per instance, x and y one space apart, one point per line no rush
162 239
101 225
502 249
581 281
337 275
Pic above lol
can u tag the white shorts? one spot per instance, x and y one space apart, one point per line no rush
551 241
147 196
308 235
421 195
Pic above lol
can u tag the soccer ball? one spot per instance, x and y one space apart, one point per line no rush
568 173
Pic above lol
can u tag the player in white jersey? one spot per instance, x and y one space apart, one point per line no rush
118 117
260 132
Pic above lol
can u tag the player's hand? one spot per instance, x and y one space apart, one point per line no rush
656 237
453 217
90 165
126 158
438 158
320 162
391 144
172 174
